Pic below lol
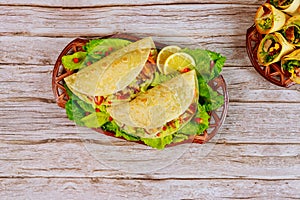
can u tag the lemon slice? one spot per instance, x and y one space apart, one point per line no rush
178 62
164 54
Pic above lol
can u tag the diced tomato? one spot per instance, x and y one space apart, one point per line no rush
97 110
110 49
89 63
75 60
110 118
106 53
198 120
185 70
164 128
98 100
158 134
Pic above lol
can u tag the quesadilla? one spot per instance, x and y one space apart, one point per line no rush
117 77
161 110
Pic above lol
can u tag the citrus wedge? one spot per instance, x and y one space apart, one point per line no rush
178 62
164 54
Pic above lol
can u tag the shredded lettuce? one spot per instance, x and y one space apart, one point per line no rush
290 64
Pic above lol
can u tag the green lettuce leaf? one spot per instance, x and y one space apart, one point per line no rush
95 119
99 48
158 143
160 78
209 98
74 112
69 63
208 64
194 127
113 127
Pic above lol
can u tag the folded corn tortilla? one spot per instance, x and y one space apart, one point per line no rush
150 111
112 73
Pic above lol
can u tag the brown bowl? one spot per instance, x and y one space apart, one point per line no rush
272 72
61 96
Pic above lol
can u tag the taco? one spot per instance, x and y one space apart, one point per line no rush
272 47
291 63
127 70
160 111
268 19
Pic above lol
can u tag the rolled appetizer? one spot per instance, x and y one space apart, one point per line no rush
291 63
291 31
289 6
117 77
272 47
268 19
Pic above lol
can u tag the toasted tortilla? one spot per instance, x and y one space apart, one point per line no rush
268 11
295 55
114 72
151 110
285 48
294 23
292 9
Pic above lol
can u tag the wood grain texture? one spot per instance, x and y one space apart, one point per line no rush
45 50
43 155
203 21
93 3
95 188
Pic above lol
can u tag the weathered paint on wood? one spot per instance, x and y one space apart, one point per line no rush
43 155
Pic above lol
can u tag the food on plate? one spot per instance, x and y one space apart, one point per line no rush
164 54
179 62
291 63
125 92
117 77
161 110
291 31
289 6
272 47
268 19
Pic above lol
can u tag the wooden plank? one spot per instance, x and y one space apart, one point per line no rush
93 3
98 188
192 20
112 158
45 50
244 85
40 120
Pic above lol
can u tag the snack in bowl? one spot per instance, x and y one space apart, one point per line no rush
291 63
119 90
272 47
272 37
288 6
268 19
291 30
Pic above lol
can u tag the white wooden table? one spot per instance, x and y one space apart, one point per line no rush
42 156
